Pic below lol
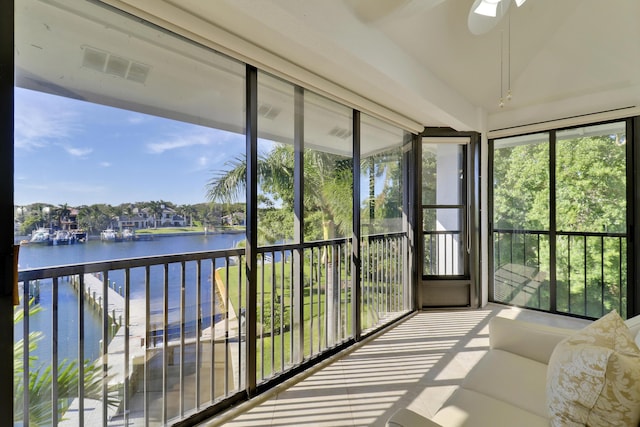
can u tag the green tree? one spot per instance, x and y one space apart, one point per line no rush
61 213
327 201
380 210
521 187
31 223
327 189
590 197
94 218
591 185
274 223
188 211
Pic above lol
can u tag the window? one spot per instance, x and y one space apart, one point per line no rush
560 220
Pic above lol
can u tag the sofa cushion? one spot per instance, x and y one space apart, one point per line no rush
531 340
470 408
633 324
511 378
594 376
634 327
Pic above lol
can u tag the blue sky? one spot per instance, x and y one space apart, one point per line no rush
74 152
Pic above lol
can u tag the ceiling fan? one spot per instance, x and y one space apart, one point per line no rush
485 14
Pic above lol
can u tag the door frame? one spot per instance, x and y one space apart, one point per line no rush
455 291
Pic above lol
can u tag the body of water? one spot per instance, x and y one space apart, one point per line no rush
94 250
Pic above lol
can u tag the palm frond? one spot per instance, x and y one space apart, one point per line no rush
227 186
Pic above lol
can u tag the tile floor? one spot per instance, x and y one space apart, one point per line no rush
416 364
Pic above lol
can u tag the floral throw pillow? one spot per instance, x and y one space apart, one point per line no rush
593 378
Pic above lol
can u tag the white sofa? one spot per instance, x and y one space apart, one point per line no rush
508 386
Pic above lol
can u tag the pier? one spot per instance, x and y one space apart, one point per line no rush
93 294
140 353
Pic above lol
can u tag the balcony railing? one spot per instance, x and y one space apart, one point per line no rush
590 271
384 278
157 339
443 254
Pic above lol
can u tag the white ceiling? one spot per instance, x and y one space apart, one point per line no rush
418 57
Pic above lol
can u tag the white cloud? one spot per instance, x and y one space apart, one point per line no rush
37 124
78 152
36 186
136 119
180 142
105 164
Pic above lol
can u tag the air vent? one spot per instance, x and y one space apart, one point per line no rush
268 111
138 72
94 59
117 66
114 65
341 133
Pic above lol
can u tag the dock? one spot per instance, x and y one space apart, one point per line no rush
141 352
94 297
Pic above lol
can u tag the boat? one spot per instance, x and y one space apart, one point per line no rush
108 235
41 236
63 237
128 234
79 235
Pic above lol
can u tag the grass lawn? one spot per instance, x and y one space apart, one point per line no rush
278 346
275 289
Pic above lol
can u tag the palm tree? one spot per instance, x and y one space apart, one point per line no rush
40 383
188 211
207 217
327 190
94 218
61 213
386 204
327 200
156 209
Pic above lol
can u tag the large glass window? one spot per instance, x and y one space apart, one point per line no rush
131 173
119 128
580 239
292 119
382 190
591 218
521 182
328 217
328 171
381 179
276 160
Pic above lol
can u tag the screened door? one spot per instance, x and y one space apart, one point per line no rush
445 222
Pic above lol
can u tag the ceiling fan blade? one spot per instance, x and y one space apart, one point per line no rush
481 24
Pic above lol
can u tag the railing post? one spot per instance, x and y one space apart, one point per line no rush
251 230
297 304
356 261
